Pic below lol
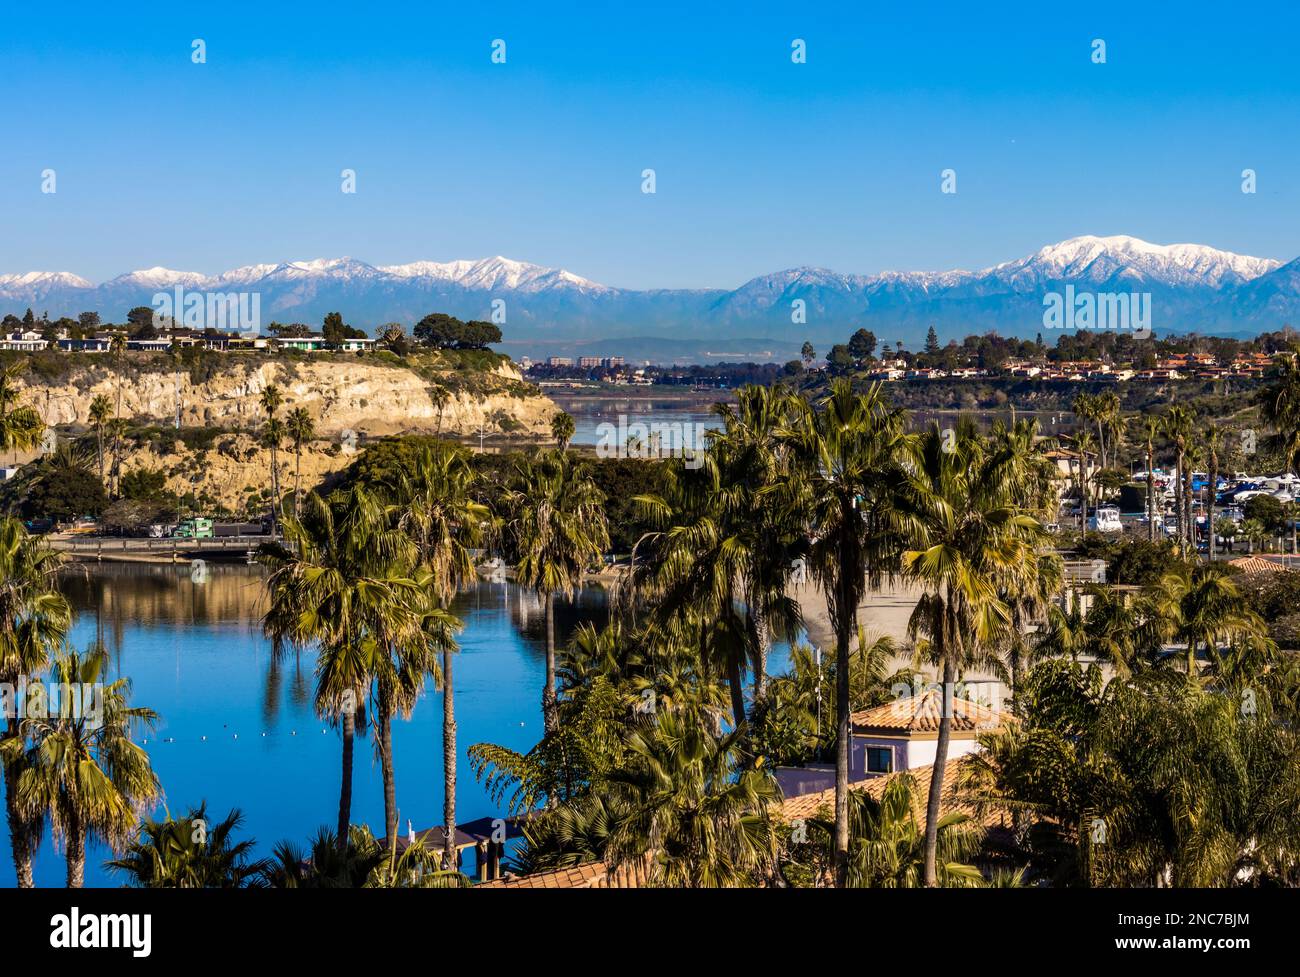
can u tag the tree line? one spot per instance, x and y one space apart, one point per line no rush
661 730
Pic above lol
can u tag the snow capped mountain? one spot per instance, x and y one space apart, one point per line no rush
493 273
246 274
39 279
157 278
344 269
1193 287
1106 259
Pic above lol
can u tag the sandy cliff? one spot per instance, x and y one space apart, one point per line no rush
369 397
366 396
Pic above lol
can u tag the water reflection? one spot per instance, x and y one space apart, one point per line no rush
238 726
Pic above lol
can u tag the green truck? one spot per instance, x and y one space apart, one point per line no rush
196 528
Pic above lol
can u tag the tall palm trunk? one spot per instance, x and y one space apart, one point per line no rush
936 777
1191 515
843 742
448 763
297 476
1083 493
275 490
20 837
75 839
759 635
99 450
117 433
550 716
386 768
345 789
1151 494
737 688
1209 502
1178 500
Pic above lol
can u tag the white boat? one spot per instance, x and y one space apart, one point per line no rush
1105 520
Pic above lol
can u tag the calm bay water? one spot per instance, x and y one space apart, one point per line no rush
610 419
238 728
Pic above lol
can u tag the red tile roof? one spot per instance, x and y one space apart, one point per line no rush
921 714
952 799
591 875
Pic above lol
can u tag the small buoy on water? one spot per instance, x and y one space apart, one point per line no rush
204 738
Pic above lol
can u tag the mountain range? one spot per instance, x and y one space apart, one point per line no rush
1193 287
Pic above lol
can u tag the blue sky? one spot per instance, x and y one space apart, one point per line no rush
761 164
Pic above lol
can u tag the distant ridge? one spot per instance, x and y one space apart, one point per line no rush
1193 287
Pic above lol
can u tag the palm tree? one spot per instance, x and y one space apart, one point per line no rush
977 542
21 426
1184 781
1023 448
1084 445
100 412
117 349
300 430
1193 458
555 525
34 621
1178 429
187 853
439 513
1109 426
696 567
441 397
887 844
331 861
1086 408
83 770
338 580
271 400
562 428
851 487
1213 444
728 542
688 805
1150 430
753 460
1280 408
356 861
1203 607
1254 531
1065 634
